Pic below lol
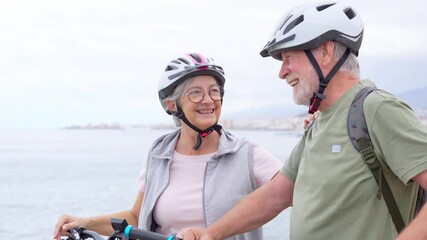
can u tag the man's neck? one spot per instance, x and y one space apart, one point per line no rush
336 88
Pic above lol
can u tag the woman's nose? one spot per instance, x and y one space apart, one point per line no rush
207 97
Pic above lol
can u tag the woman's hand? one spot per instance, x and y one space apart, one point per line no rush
65 223
310 119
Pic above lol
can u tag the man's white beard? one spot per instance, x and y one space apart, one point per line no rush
305 88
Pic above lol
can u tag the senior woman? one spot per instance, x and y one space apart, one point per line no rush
196 173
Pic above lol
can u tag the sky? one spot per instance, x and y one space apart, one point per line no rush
68 62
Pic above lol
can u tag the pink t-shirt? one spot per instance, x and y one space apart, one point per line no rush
181 204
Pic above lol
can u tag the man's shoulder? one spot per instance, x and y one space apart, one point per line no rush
367 83
384 105
379 97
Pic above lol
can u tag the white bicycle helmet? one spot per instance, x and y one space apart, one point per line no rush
182 68
307 27
188 65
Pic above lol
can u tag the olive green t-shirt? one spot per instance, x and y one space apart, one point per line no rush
335 194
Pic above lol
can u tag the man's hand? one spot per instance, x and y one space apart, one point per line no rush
194 234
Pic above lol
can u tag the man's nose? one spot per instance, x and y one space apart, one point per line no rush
284 70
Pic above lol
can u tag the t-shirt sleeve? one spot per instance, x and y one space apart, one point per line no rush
290 168
400 137
141 177
266 165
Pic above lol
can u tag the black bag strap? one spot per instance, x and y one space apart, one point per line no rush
421 200
359 136
375 167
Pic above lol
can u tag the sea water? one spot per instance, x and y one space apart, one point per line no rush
46 173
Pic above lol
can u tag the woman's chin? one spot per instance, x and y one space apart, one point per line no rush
204 123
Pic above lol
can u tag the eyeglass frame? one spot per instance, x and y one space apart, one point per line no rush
220 88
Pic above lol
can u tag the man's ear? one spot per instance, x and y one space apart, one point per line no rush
327 52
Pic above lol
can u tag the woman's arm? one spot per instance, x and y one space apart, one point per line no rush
99 224
256 209
417 229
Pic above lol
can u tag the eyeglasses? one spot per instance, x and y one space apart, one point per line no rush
197 94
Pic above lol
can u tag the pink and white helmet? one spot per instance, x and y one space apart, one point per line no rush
308 26
188 65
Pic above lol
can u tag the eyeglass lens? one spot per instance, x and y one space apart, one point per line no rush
197 94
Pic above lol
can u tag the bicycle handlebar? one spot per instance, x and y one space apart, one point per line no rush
78 234
136 233
121 226
123 231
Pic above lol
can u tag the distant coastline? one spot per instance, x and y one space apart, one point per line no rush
279 124
114 126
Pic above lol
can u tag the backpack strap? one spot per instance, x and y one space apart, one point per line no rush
421 200
359 135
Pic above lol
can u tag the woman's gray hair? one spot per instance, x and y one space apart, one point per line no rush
177 93
351 65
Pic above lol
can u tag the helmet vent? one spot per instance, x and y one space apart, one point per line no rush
350 13
176 61
169 67
293 24
184 60
196 57
219 68
323 7
286 20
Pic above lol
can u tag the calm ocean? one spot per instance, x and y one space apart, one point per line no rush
45 173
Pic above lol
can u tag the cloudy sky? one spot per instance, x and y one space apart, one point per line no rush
65 62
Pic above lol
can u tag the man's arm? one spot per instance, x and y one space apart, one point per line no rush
256 209
417 229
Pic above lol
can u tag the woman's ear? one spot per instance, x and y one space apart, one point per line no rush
171 105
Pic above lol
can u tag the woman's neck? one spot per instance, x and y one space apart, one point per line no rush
188 138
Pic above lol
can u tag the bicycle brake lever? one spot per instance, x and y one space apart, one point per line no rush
74 234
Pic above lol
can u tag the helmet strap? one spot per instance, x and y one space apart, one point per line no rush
201 133
317 98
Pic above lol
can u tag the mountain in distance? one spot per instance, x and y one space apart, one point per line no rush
271 112
416 98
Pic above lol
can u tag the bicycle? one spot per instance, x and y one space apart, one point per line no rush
122 231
